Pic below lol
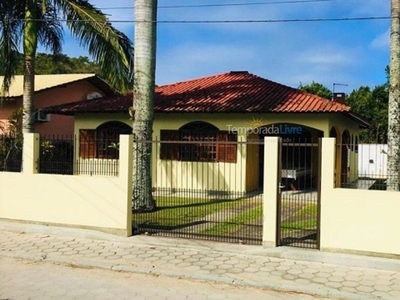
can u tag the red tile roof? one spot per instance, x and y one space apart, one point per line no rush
231 92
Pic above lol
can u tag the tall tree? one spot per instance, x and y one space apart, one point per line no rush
143 102
393 166
373 106
38 22
316 89
46 63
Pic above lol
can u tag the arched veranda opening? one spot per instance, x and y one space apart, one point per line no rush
299 156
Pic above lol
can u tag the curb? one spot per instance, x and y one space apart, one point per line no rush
273 286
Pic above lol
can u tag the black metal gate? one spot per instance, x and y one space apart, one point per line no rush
299 197
205 195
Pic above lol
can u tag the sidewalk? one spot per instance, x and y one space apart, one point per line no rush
282 269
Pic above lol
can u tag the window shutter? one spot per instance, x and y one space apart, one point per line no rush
169 150
87 143
227 152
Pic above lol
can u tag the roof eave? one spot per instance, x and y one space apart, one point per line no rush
364 124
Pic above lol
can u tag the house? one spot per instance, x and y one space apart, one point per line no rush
52 90
221 113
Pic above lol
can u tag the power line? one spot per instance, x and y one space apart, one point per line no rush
274 21
222 5
234 21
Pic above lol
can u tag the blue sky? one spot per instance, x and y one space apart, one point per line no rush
354 53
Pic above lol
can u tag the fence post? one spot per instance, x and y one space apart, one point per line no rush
30 153
125 174
271 190
328 164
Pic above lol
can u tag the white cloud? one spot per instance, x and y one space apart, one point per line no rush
197 59
381 41
290 53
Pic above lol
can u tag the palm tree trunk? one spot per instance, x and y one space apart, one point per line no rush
30 45
143 95
393 167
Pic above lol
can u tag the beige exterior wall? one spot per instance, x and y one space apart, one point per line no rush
356 220
102 203
241 176
341 124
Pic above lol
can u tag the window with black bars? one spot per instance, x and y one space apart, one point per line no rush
198 141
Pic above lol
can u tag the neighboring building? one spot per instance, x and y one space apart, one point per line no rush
221 109
52 90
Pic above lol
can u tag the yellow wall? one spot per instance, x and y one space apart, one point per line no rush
240 176
341 124
102 203
252 163
356 220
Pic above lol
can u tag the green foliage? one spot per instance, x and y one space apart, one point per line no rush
316 89
15 124
370 104
56 64
47 149
63 64
110 49
11 140
373 106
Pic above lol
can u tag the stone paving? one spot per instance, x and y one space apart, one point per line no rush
19 281
242 265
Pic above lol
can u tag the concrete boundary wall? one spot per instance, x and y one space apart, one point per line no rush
359 221
102 203
355 221
352 220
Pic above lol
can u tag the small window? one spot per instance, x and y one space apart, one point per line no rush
201 141
103 141
198 142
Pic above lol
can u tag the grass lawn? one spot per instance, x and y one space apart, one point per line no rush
179 212
304 218
239 220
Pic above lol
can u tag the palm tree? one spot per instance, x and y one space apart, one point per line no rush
393 167
39 22
11 26
143 104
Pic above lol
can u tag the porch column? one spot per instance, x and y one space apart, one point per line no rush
30 153
271 190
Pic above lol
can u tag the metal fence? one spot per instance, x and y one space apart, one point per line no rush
364 166
10 153
56 155
198 195
299 202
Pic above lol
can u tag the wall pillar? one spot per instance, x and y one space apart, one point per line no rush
328 165
271 190
30 153
125 174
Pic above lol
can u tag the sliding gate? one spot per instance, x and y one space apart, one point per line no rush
299 197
